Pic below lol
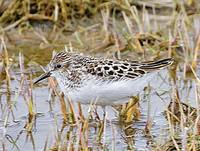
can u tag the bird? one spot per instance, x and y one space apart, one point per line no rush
105 81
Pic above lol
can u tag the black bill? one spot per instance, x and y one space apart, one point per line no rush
43 76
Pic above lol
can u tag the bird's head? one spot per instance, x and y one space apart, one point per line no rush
59 63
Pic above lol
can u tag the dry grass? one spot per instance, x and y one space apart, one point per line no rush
144 30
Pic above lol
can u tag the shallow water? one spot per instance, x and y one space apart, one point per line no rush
49 118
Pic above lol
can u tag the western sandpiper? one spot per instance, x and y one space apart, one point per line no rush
108 82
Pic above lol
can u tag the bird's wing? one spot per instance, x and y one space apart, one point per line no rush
117 69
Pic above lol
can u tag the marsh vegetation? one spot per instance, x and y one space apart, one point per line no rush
164 117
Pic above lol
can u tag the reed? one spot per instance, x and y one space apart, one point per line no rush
140 30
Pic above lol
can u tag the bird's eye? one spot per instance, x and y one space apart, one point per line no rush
58 66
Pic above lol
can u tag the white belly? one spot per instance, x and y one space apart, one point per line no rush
116 92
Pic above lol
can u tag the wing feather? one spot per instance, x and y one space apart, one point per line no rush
118 69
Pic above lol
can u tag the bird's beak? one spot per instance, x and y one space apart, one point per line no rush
43 76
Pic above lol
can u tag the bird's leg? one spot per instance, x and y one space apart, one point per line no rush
104 112
104 123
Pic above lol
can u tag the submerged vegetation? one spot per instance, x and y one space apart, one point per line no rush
39 117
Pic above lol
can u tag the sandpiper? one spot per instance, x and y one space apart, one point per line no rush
105 81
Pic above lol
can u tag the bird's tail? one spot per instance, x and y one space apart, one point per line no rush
157 64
